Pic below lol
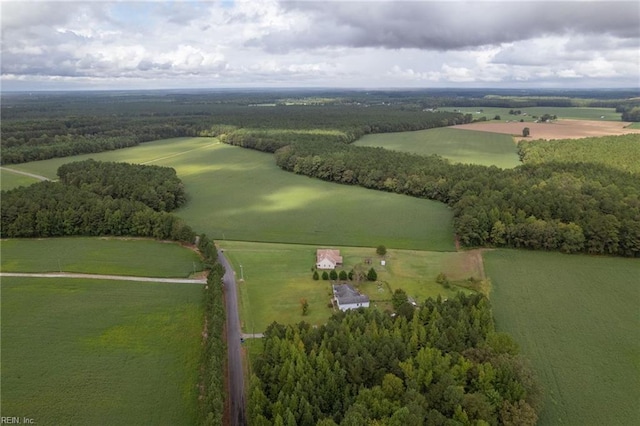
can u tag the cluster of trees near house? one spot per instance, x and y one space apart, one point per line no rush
441 362
132 200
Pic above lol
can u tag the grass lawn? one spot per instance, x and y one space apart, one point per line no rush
576 113
239 194
110 256
457 145
576 318
89 352
277 276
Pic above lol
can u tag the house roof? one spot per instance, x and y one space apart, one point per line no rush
346 295
332 255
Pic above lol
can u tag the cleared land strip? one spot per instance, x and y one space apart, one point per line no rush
106 277
19 172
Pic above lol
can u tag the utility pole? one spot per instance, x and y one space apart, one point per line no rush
241 273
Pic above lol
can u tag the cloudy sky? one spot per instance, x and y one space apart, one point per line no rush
363 44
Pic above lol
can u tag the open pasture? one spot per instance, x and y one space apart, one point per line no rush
239 194
457 145
576 318
560 129
276 276
88 352
107 256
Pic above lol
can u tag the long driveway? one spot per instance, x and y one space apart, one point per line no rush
234 355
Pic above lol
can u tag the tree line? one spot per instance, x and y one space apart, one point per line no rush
440 363
92 208
155 186
570 207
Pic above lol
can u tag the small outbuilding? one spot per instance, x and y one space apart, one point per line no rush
347 297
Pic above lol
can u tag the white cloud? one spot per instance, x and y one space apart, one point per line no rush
365 44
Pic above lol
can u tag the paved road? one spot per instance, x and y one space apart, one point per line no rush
236 374
106 277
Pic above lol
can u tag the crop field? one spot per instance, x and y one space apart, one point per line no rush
561 129
107 256
9 179
239 194
576 318
276 276
528 114
457 145
100 352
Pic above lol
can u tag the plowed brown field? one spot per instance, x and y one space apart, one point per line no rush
560 129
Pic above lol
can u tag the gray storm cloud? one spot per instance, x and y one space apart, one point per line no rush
449 25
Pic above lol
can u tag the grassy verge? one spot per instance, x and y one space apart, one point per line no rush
457 145
276 276
111 256
576 318
86 352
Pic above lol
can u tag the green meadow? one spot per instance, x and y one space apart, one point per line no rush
9 179
573 113
457 145
274 277
107 256
576 318
239 194
91 352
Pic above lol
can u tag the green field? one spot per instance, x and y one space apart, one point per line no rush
576 113
10 180
239 194
577 319
90 352
107 256
277 276
457 145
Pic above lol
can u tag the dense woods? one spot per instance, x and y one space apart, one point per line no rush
156 187
89 206
619 152
440 364
571 207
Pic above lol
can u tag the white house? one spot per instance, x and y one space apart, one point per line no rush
349 298
328 259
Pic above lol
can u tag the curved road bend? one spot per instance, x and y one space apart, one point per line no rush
236 375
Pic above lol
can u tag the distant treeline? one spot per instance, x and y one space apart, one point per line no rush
440 364
43 126
82 204
571 207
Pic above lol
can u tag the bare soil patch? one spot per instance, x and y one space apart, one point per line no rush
560 129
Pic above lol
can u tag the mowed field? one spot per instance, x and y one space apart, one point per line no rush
576 318
239 194
457 145
276 276
90 352
108 256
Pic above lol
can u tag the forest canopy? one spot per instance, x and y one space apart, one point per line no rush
444 362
